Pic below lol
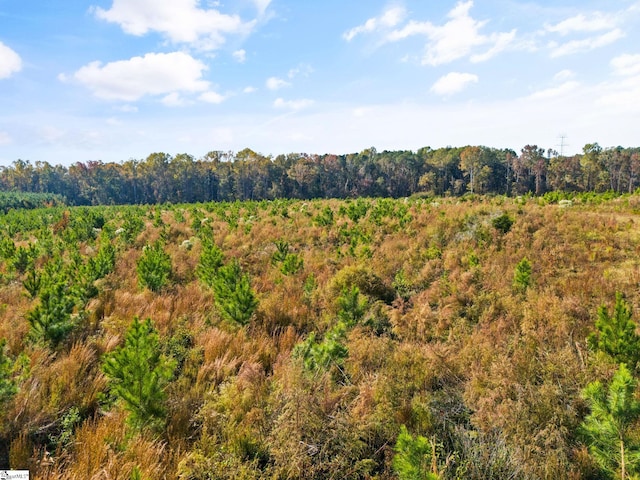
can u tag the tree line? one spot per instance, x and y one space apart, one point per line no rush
247 175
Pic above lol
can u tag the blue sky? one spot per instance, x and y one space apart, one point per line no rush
117 79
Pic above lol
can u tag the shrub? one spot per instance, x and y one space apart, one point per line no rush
502 223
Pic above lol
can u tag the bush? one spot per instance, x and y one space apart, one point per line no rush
502 223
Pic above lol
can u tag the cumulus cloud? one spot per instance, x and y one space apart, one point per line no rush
293 104
275 83
5 138
152 74
585 44
181 21
453 82
240 56
10 61
173 100
459 37
391 17
212 97
626 64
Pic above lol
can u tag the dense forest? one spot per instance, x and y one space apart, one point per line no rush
474 337
247 175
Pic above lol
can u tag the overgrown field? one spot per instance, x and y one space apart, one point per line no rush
360 339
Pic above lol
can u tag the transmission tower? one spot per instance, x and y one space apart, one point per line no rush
562 144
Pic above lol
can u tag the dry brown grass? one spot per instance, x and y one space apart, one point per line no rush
103 449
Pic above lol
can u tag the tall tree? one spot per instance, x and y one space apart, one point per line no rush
471 163
590 162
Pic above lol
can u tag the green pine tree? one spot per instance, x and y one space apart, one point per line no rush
522 275
51 319
352 305
7 384
233 294
414 457
610 427
616 334
211 259
138 374
154 267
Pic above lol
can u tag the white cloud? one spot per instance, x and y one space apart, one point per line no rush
626 64
410 29
262 5
500 42
293 104
153 74
391 17
5 138
212 97
50 134
563 75
249 89
457 38
275 83
182 21
240 56
621 96
586 44
453 82
555 92
594 22
303 69
127 108
10 62
173 100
